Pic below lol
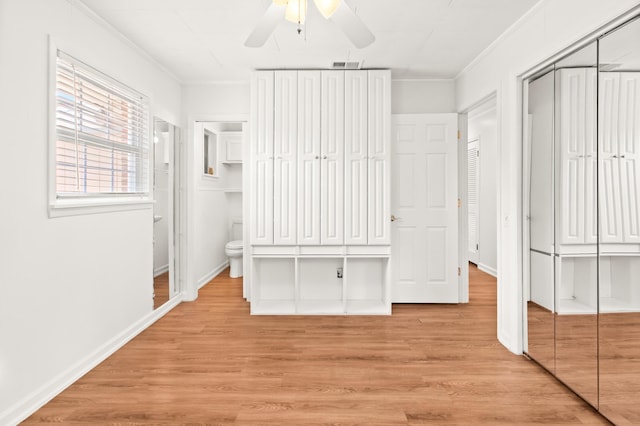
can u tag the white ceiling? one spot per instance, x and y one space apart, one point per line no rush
203 40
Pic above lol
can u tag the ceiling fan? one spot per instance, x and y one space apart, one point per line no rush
295 11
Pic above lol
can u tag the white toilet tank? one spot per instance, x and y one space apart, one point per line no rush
236 229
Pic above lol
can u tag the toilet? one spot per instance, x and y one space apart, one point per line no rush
234 248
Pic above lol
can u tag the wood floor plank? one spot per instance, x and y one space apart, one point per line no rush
210 362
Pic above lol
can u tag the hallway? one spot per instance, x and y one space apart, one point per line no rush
210 362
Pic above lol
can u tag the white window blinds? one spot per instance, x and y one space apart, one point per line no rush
102 134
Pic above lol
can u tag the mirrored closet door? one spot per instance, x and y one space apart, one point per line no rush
582 184
619 242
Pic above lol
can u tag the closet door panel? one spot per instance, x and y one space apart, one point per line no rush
629 144
591 158
572 126
332 159
262 103
379 214
609 170
356 152
309 157
285 149
619 264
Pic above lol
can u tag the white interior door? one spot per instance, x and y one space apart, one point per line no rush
425 209
473 188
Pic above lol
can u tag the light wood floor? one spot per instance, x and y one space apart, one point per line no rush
210 362
160 290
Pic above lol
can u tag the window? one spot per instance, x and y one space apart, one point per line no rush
101 135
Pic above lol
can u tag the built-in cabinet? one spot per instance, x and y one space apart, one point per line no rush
582 291
320 215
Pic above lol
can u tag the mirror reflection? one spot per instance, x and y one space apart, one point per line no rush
562 150
540 300
619 260
583 298
164 135
576 223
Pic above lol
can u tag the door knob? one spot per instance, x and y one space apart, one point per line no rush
393 218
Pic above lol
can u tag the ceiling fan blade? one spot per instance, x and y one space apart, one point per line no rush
272 17
352 26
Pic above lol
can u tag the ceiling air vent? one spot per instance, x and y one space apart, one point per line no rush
341 65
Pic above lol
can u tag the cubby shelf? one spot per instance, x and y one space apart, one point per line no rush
323 285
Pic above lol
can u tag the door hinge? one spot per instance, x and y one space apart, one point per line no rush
459 135
459 203
459 271
478 153
477 248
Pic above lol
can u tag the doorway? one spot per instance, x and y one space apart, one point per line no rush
482 186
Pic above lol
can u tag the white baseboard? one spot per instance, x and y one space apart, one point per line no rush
211 275
488 270
160 270
29 405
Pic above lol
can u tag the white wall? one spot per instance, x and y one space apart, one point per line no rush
548 29
423 96
210 209
483 126
70 287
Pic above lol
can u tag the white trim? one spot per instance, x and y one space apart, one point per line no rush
192 184
217 83
160 270
463 213
91 203
62 210
487 269
616 18
78 4
504 35
27 406
422 79
211 275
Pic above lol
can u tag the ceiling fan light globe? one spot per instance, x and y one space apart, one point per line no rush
280 2
327 7
296 11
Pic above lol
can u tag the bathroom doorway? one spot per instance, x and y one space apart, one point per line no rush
216 203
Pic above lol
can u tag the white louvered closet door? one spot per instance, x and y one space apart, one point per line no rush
473 192
332 159
356 151
309 83
262 98
285 161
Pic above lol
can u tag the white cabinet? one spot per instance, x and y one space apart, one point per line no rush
619 174
320 284
356 153
576 114
320 157
285 157
261 144
332 159
309 157
379 134
327 198
232 145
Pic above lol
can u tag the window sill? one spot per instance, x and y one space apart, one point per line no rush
75 207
